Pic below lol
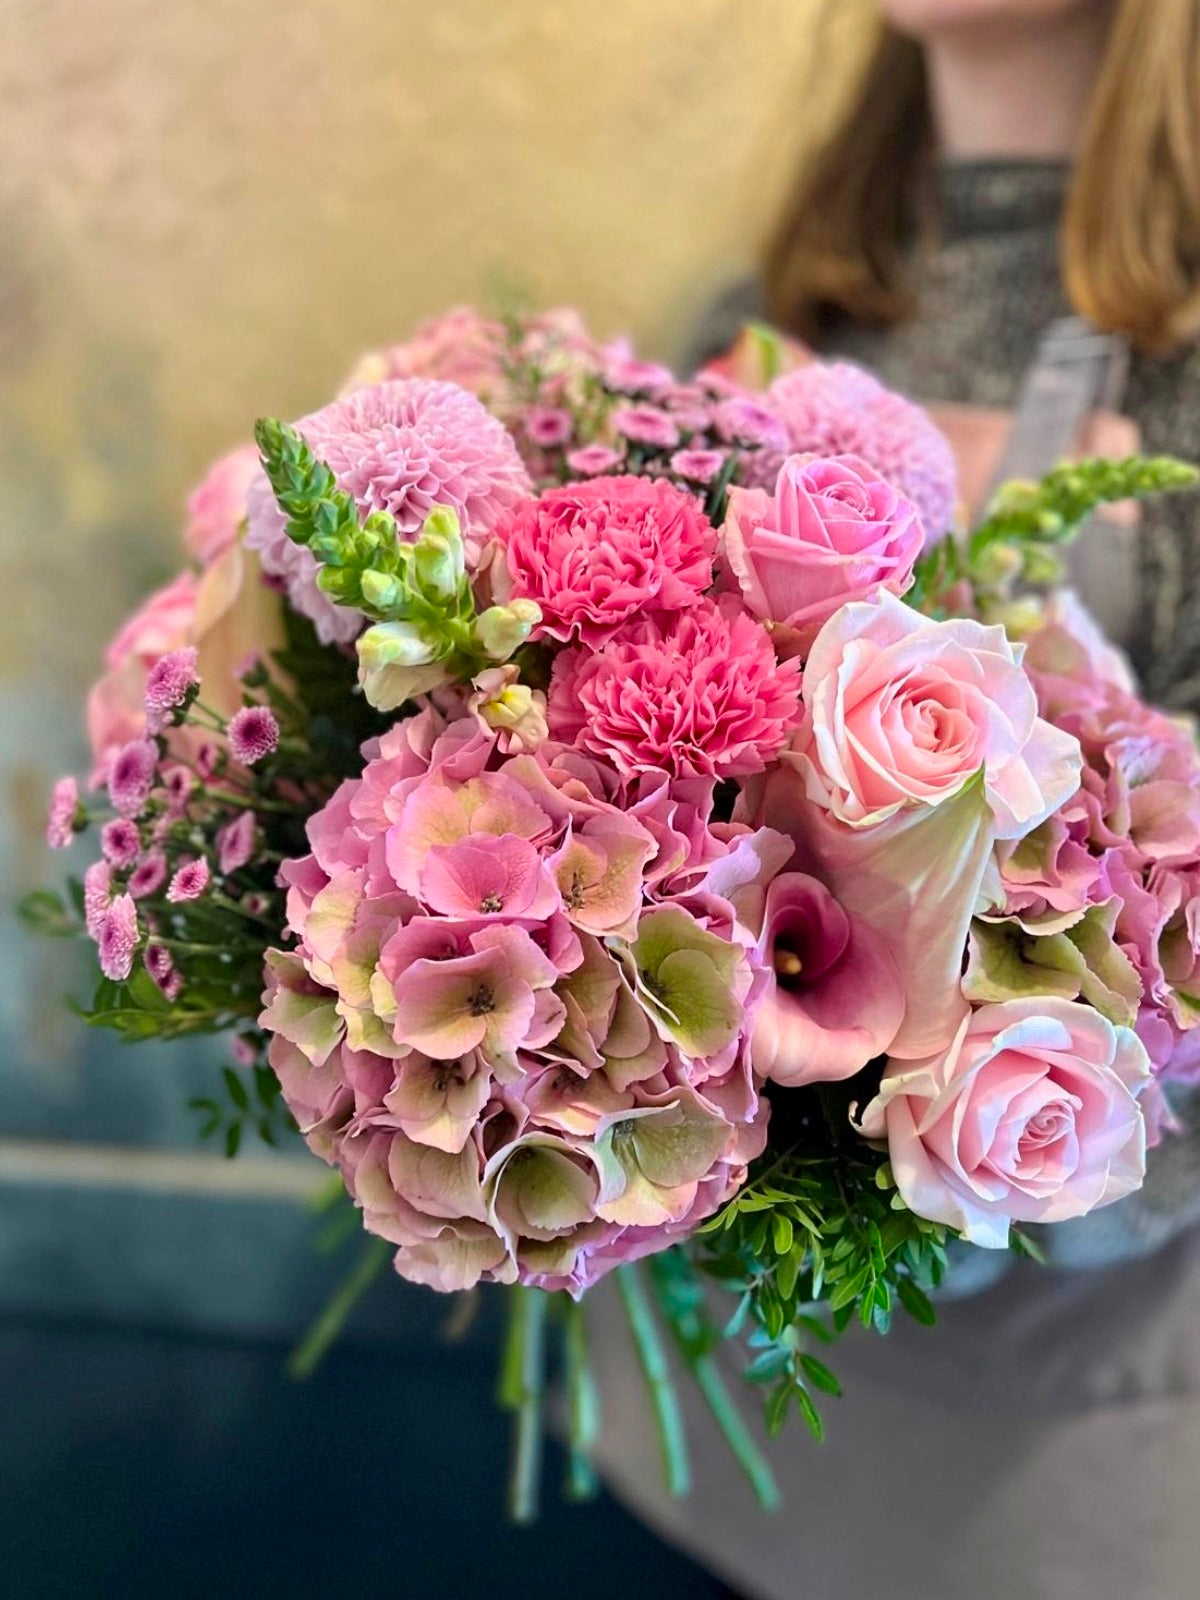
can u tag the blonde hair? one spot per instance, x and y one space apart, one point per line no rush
1130 238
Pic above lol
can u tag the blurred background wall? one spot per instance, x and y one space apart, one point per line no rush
208 209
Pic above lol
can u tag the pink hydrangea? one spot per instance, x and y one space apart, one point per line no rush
478 1024
402 446
836 408
697 694
594 554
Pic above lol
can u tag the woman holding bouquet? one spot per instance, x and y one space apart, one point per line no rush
1006 225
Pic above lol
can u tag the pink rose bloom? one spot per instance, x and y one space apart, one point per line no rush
836 408
401 447
699 694
458 347
1031 1115
594 554
921 747
216 508
836 1000
833 531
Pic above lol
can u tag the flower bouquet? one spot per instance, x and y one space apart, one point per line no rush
624 826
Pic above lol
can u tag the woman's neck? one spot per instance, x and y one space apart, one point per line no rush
1016 88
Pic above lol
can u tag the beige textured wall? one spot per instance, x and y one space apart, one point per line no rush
208 207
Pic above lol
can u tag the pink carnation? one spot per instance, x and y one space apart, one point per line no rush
462 1029
402 446
836 408
698 694
594 554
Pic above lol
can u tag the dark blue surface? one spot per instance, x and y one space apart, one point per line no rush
138 1466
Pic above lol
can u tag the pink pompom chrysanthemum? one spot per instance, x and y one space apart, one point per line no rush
594 554
64 811
403 447
169 683
253 734
120 842
695 695
189 882
835 408
118 938
131 776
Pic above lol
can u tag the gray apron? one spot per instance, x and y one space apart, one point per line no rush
1043 1441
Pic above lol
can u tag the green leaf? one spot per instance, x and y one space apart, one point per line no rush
236 1088
46 913
233 1139
809 1412
819 1375
916 1302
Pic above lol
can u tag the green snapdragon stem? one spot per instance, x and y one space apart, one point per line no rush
657 1373
522 1383
308 1354
737 1435
583 1408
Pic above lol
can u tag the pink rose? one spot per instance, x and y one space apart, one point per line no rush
921 747
834 531
217 505
115 710
1031 1115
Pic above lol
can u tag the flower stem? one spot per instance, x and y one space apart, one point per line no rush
583 1407
309 1353
521 1390
657 1373
737 1435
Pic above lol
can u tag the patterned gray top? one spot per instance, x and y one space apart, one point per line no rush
985 292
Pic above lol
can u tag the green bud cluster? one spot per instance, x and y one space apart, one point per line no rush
417 593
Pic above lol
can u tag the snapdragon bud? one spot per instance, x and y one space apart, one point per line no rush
438 558
398 661
380 590
502 629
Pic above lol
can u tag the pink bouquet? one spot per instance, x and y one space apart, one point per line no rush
626 820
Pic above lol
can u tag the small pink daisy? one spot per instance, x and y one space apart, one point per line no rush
131 776
549 426
148 876
120 842
171 680
590 460
118 939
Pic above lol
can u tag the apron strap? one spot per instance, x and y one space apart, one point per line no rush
1075 372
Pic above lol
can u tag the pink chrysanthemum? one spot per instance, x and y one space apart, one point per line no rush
170 680
590 460
148 876
190 881
131 776
120 842
118 939
64 811
253 734
235 843
403 446
646 425
698 466
698 694
593 554
548 426
836 408
97 896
